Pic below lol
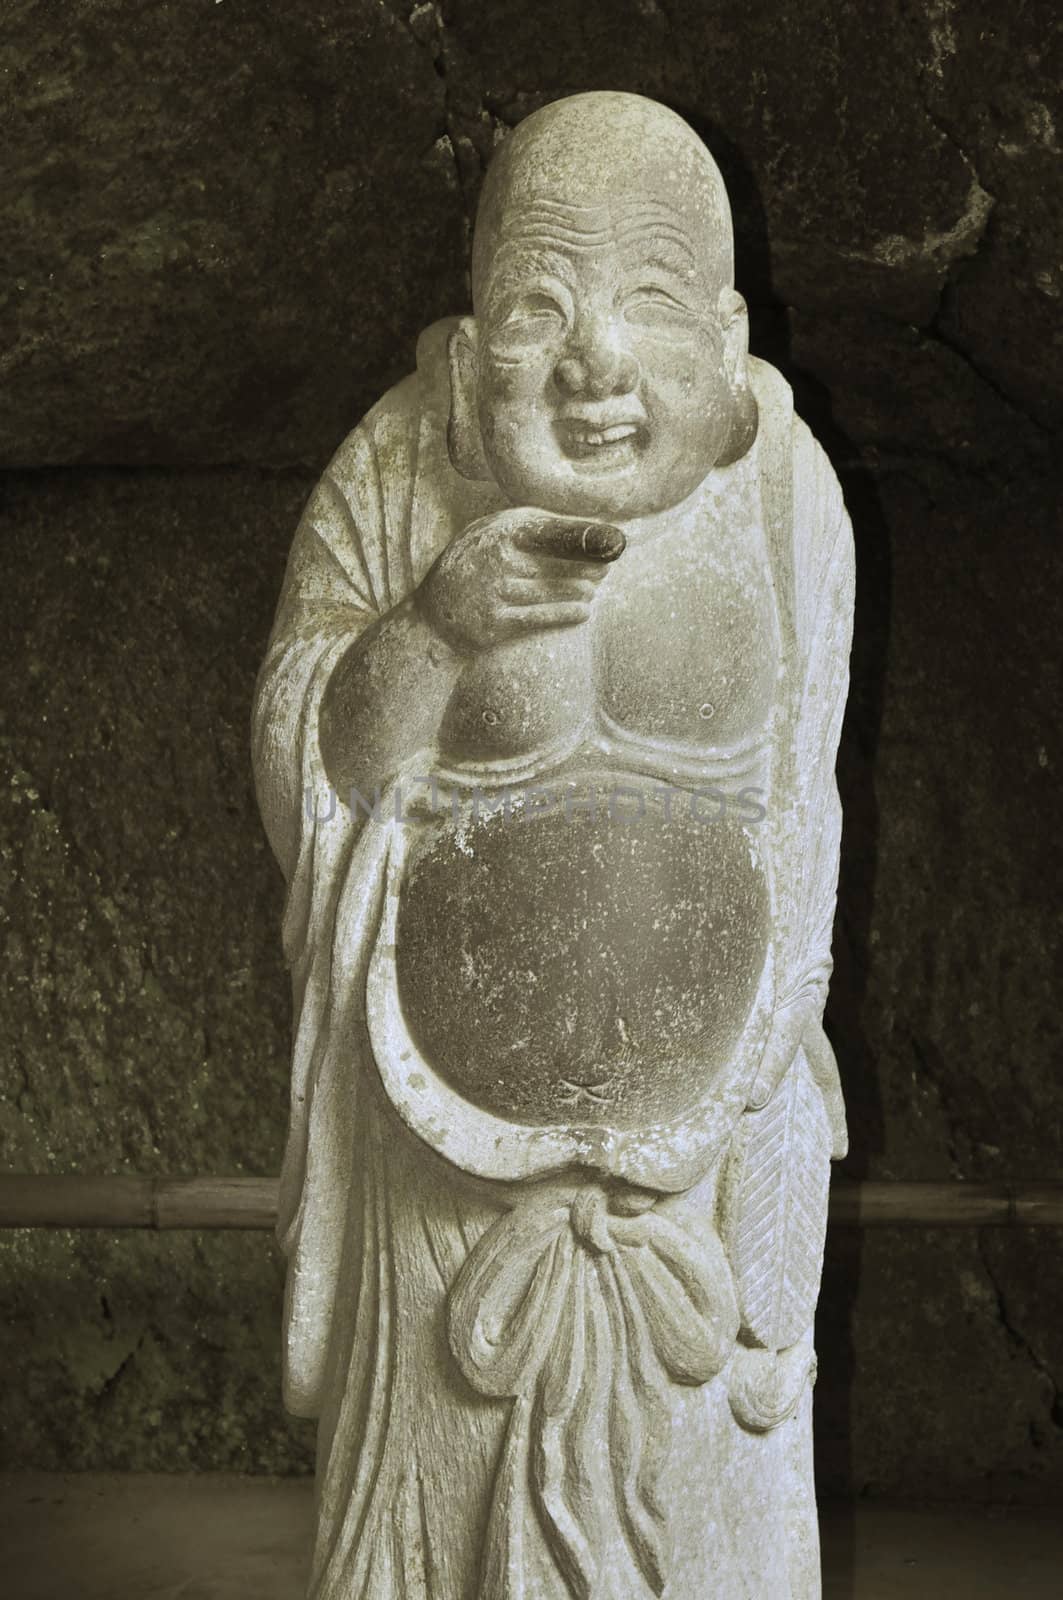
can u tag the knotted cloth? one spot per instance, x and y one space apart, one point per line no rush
587 1316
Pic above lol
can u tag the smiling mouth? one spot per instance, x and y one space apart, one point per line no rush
603 446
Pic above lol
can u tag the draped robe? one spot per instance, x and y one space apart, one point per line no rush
432 1478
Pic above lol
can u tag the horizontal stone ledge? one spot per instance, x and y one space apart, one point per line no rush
44 1201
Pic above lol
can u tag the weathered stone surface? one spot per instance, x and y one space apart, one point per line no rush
943 1005
145 1353
950 762
144 1007
843 185
198 197
206 257
965 1403
134 610
555 1192
899 390
949 933
940 1361
994 83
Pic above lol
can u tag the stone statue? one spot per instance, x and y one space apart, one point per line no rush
545 744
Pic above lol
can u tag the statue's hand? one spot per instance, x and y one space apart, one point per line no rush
515 571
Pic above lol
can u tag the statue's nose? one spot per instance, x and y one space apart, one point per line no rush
596 362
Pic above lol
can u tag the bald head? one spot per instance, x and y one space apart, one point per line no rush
603 163
604 371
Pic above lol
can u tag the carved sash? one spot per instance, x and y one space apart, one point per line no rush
587 1318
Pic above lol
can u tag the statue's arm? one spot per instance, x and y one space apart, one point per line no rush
365 656
514 571
326 601
825 630
825 623
774 1191
385 699
808 830
353 676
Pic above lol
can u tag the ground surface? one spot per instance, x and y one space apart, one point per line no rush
220 1537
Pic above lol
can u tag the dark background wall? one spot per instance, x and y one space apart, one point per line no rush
223 224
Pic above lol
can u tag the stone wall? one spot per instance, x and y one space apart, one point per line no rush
223 225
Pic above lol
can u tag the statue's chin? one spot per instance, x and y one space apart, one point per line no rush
642 475
620 491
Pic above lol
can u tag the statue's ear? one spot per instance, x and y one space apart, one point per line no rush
734 324
463 429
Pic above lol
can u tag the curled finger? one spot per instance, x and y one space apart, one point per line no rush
550 614
519 591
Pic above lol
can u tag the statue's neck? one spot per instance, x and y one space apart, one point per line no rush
644 529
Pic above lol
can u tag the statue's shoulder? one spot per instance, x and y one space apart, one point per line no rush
396 434
790 450
400 414
809 532
781 431
774 397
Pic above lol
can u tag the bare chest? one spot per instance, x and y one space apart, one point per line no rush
681 649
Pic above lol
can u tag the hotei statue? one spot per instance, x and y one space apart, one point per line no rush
565 629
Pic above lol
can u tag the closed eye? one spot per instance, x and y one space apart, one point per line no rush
532 309
651 303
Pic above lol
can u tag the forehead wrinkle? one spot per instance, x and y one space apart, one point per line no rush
546 238
605 150
555 230
519 258
559 225
554 240
612 214
667 247
541 208
624 234
670 239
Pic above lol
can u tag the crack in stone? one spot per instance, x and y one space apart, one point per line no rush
942 34
942 39
937 41
953 1130
1018 1338
940 249
109 1385
424 24
936 333
427 26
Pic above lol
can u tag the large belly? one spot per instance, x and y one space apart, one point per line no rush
559 967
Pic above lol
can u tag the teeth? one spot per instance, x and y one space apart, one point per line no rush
620 430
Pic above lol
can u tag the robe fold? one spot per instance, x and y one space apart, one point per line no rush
427 1485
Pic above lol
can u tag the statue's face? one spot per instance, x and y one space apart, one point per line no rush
605 358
